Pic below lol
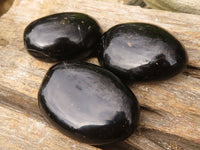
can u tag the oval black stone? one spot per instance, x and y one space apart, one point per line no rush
141 52
64 36
88 103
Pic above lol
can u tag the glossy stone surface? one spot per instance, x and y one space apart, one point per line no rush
88 103
64 36
141 52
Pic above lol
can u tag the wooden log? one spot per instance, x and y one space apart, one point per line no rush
170 110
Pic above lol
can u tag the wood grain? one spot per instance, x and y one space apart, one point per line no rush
187 6
170 110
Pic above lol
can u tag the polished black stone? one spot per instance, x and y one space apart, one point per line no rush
141 52
88 103
64 36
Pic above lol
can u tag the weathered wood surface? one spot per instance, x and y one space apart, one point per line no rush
170 110
5 5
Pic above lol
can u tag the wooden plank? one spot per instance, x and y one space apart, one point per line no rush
19 130
170 110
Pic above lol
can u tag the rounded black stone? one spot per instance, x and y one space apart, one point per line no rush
141 52
88 103
64 36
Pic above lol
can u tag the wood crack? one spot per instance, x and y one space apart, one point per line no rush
193 67
169 141
20 103
192 71
146 108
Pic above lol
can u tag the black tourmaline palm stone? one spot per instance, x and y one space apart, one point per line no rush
88 103
141 52
64 36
